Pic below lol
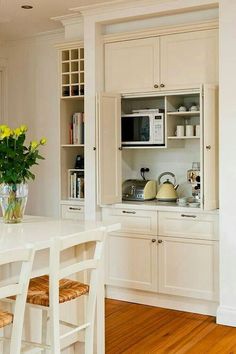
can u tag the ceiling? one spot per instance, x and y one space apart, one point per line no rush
17 23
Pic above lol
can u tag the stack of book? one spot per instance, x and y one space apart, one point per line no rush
76 129
76 185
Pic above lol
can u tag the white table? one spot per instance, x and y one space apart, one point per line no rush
38 231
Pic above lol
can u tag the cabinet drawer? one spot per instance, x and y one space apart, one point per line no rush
188 225
133 220
72 212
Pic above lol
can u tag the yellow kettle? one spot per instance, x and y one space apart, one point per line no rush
167 190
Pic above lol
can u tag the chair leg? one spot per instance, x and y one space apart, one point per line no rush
54 331
44 329
89 339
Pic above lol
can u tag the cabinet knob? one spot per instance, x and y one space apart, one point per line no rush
162 85
94 148
208 147
153 240
160 241
120 148
156 86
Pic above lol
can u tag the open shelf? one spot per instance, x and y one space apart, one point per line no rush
183 137
184 114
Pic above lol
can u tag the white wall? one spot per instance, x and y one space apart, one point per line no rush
227 309
33 100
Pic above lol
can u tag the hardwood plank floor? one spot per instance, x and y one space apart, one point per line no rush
140 329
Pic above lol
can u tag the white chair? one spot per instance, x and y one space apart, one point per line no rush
48 292
16 288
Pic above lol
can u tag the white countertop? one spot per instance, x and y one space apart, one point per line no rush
40 230
155 205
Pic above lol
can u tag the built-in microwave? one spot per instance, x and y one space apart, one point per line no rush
143 128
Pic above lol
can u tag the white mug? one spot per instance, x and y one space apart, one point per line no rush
180 130
189 130
197 130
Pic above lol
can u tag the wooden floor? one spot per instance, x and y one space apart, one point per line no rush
139 329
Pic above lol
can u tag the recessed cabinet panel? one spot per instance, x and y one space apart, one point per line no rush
188 225
188 268
132 261
75 212
109 148
210 147
133 220
189 59
132 66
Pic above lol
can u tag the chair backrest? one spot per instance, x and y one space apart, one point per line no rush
17 286
58 272
60 244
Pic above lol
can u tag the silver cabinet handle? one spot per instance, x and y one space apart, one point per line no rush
188 216
128 212
159 241
154 240
74 208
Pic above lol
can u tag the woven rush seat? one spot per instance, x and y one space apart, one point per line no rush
38 292
6 318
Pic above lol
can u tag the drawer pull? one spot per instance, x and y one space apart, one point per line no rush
74 208
160 241
128 212
153 240
188 216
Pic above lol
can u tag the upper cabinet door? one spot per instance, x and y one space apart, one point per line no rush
109 148
189 59
210 147
132 66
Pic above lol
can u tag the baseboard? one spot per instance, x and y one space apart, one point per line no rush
226 316
160 300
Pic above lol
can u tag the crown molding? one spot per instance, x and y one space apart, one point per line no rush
163 30
150 7
69 19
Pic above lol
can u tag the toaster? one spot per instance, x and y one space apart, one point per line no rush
139 190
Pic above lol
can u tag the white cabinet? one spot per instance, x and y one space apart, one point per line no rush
202 148
188 267
182 260
131 261
189 59
182 60
132 66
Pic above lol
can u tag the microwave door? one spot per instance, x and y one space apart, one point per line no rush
135 130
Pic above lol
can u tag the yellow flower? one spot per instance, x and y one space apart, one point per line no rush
6 133
23 128
43 141
17 132
3 127
34 144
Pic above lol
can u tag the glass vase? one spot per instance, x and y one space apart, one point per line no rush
13 199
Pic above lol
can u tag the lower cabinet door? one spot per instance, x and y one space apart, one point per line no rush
131 261
188 267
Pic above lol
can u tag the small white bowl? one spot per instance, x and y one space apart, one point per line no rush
194 205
